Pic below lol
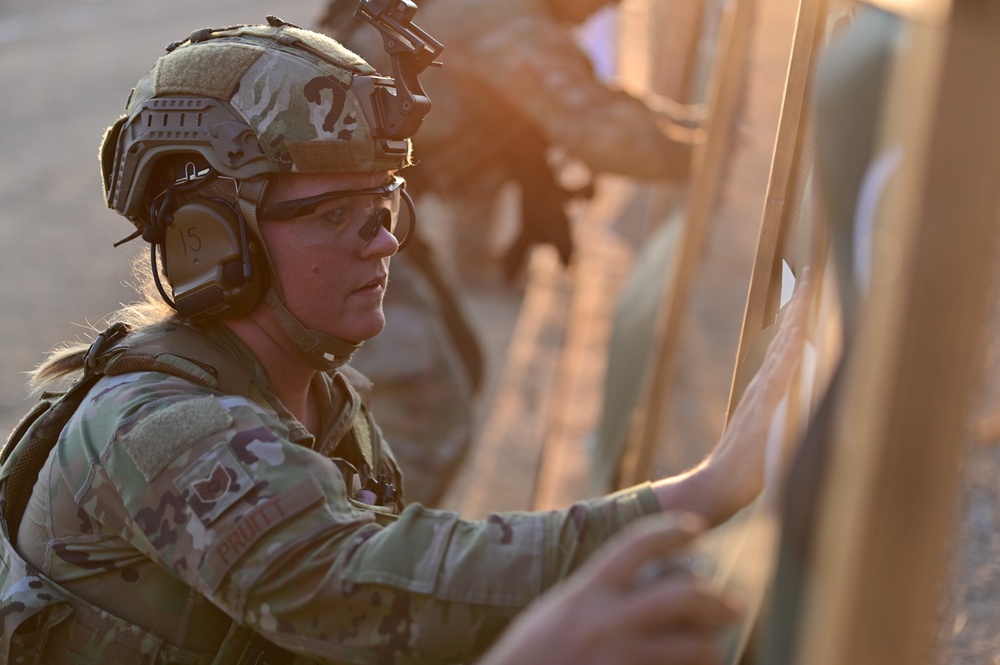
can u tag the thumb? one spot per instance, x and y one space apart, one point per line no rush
657 536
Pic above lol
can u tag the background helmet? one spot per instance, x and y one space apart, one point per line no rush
222 111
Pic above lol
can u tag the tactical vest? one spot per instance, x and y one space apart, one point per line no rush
31 604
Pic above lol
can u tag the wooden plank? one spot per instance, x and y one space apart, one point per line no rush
792 230
707 171
887 511
790 168
504 465
530 451
659 46
680 42
601 267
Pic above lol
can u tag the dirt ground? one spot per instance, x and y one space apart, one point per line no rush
66 68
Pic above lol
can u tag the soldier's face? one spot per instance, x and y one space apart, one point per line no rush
333 279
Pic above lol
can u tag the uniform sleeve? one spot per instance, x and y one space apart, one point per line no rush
207 487
537 67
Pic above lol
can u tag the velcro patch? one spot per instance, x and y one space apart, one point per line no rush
363 435
214 482
167 432
213 70
230 545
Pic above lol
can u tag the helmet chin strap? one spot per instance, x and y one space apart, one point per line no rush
321 351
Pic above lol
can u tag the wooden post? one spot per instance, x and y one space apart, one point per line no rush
887 509
528 450
706 180
672 31
790 169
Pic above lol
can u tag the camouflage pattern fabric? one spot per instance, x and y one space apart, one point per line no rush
422 392
504 56
288 109
517 52
180 508
320 128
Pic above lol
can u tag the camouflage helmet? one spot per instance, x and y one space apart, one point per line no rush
251 100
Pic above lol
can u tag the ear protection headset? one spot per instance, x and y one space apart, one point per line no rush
213 263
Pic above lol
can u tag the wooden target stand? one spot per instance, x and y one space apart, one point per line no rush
708 169
887 506
528 453
893 473
870 588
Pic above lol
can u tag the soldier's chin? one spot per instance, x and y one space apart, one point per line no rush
377 332
364 331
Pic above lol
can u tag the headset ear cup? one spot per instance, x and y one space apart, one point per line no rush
207 252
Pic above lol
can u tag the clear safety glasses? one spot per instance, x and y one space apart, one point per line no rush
368 209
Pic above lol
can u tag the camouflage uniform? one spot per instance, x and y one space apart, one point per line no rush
180 508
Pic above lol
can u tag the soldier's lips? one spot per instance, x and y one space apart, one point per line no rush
375 286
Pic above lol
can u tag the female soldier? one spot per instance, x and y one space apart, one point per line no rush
220 492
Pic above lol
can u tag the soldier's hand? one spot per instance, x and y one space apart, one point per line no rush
692 116
604 615
733 475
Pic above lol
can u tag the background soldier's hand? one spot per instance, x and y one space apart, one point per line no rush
601 616
692 116
733 475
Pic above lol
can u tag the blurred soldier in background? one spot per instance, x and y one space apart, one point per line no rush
516 100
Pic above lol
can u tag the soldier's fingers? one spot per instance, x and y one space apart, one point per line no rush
679 601
676 648
651 538
771 380
791 333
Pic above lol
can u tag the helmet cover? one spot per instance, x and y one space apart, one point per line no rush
252 100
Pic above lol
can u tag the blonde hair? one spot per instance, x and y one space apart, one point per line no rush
65 361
